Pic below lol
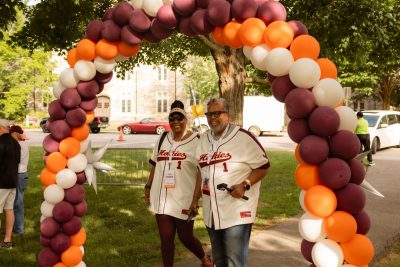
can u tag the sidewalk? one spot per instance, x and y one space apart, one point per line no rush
280 245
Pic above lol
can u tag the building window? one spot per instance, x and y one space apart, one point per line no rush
126 105
106 105
123 106
162 101
162 73
99 105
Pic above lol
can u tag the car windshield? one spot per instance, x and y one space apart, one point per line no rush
372 119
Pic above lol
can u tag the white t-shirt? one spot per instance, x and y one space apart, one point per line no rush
232 161
23 164
174 201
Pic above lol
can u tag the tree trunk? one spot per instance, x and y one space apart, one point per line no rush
229 63
385 91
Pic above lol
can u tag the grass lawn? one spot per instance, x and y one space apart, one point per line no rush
120 229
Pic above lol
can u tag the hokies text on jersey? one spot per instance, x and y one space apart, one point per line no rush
217 157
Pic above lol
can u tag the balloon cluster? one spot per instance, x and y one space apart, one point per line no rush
334 223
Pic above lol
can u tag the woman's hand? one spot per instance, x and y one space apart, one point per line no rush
193 210
147 196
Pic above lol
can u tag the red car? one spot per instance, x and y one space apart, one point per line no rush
147 125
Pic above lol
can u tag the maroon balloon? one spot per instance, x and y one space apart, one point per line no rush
72 226
60 243
93 30
121 13
271 78
184 8
219 12
81 178
49 144
334 173
281 86
88 89
314 149
298 28
108 14
199 22
185 27
102 78
60 130
48 123
159 31
89 105
44 241
70 98
271 11
111 31
345 145
75 194
167 17
49 227
80 209
139 21
357 171
47 257
56 110
324 121
260 2
299 103
101 87
306 248
298 129
363 222
203 3
149 37
63 211
244 9
76 117
350 198
130 36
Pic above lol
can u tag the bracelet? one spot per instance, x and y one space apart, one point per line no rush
146 186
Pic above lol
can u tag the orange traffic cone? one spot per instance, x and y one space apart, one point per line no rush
121 136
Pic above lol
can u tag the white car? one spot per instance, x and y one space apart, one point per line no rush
384 128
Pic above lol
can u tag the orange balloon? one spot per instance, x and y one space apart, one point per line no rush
128 50
305 46
252 31
106 49
86 49
231 36
358 250
60 264
218 35
72 57
55 162
69 147
80 133
340 226
297 155
72 256
47 177
320 201
307 175
278 34
328 68
89 117
79 238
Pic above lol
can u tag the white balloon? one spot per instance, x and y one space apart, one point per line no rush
328 92
301 200
66 178
104 66
82 249
84 70
311 228
259 55
348 119
120 58
46 209
247 51
305 73
151 7
84 145
77 163
68 79
348 265
58 88
168 1
136 3
327 253
279 61
81 264
53 194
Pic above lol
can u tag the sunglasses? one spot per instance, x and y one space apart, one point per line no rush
177 117
214 114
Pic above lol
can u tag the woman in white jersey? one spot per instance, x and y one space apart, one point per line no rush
171 184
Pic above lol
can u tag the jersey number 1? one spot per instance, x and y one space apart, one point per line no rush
225 167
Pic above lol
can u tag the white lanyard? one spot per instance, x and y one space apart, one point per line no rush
174 145
215 145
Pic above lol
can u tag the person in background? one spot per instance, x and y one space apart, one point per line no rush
18 134
232 163
170 187
363 135
10 154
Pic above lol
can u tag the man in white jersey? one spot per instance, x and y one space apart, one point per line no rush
232 156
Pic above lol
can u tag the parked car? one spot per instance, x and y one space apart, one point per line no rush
146 125
384 128
98 123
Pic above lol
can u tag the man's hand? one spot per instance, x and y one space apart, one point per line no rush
238 190
147 196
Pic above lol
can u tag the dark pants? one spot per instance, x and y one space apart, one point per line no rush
366 143
19 203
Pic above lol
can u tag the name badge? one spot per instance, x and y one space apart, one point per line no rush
169 179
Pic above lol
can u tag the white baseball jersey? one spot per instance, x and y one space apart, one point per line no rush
232 161
174 201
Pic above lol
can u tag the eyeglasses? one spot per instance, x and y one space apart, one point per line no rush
214 114
178 117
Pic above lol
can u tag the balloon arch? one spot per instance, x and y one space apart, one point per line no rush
333 225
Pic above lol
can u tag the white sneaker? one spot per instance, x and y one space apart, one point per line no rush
371 163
